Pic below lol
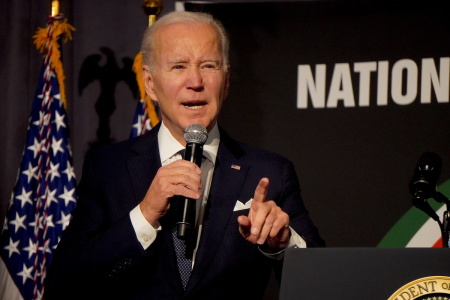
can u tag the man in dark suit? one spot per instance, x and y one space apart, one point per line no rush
120 243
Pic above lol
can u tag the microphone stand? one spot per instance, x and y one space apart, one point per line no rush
445 225
423 186
420 201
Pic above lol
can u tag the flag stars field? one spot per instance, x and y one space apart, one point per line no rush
59 121
24 197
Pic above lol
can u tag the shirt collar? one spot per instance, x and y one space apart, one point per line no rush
168 145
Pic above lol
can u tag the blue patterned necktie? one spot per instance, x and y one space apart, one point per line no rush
183 259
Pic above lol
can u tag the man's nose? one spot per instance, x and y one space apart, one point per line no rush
194 79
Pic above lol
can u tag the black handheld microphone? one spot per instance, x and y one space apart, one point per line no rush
195 136
424 181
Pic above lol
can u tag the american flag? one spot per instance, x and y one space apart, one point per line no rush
141 120
44 194
145 116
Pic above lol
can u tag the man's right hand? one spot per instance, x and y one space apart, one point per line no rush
181 178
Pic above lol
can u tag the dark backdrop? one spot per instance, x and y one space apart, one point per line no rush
354 163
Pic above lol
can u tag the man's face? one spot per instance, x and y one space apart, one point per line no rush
189 80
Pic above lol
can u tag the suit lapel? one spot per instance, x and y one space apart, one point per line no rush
143 163
228 179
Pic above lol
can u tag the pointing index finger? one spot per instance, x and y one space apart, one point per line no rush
261 190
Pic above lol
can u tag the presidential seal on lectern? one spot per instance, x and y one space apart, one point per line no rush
426 288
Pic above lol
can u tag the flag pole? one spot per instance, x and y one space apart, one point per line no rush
152 9
55 7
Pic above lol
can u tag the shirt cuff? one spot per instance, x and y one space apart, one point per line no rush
145 232
296 241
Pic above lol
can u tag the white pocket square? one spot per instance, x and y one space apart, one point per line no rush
240 206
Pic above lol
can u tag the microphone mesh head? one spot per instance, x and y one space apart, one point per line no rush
195 133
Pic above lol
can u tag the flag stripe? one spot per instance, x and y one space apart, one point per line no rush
8 289
429 233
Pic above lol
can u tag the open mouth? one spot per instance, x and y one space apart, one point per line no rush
194 104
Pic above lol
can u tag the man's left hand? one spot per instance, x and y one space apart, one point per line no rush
266 224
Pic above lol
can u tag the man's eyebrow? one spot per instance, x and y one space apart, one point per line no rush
184 61
177 61
212 60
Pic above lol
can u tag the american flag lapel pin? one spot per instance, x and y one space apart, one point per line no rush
236 167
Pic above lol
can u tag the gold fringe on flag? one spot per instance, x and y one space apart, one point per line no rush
46 41
151 111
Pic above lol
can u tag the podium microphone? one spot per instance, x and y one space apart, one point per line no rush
195 136
424 181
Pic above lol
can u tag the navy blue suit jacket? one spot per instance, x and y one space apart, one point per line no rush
99 256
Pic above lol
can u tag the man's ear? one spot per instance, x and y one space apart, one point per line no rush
148 83
227 83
